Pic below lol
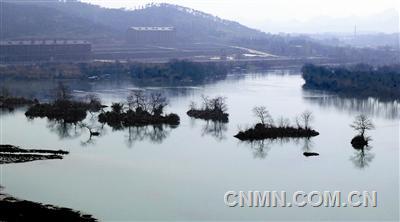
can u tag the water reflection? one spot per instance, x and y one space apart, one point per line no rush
63 129
153 133
216 129
307 148
369 106
94 129
362 157
260 148
43 90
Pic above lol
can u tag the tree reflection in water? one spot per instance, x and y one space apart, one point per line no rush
362 156
63 129
153 133
66 130
216 129
260 148
94 129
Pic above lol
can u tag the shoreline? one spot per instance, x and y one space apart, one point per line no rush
14 209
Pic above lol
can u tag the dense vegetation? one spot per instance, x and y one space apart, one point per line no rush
64 108
142 110
174 71
361 79
212 109
260 132
10 103
268 129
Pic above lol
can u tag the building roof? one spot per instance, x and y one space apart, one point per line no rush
44 42
163 28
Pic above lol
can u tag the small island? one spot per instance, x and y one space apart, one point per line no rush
64 108
267 129
14 154
361 124
142 110
212 109
308 154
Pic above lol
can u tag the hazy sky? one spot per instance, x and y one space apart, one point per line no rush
259 10
257 13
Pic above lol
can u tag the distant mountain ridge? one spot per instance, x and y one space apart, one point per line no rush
82 20
71 19
35 21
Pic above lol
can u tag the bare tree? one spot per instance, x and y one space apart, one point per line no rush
206 102
218 104
297 121
283 122
136 100
157 103
263 115
215 104
306 117
362 123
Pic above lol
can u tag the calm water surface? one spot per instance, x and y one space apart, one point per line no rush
183 173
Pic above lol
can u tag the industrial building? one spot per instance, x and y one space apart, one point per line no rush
151 35
44 50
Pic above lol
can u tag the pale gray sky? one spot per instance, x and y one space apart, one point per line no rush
255 13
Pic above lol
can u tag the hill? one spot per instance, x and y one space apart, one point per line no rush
106 29
37 21
74 18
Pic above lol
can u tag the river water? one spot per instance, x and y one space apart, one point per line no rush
183 173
